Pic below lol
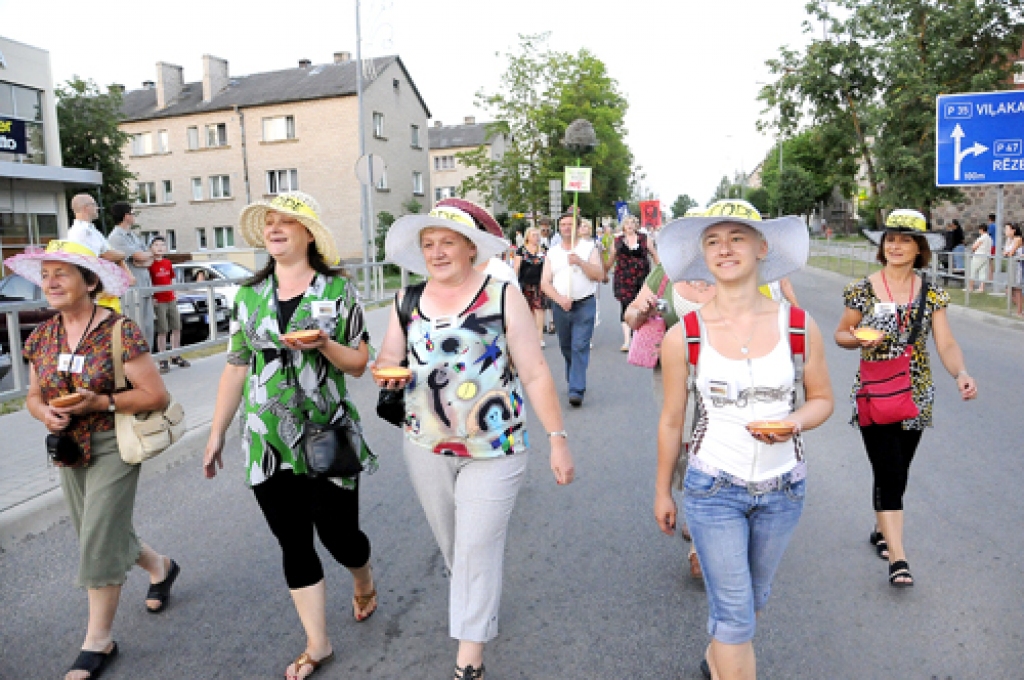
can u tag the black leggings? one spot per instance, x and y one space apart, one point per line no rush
890 449
296 504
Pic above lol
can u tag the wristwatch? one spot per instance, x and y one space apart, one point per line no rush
560 433
111 407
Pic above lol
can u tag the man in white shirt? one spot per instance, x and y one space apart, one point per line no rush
570 277
125 238
83 232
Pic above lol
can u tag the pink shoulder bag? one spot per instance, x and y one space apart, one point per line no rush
645 349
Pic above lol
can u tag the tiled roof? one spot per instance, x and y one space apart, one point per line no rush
295 84
455 136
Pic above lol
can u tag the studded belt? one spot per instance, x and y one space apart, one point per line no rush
758 488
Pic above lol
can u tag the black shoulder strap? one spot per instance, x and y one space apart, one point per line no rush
915 327
409 302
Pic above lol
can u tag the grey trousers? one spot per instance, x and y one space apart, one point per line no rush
468 503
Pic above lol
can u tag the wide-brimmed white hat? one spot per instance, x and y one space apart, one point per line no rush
905 221
402 245
681 253
299 205
30 263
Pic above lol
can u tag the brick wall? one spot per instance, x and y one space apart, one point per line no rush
978 203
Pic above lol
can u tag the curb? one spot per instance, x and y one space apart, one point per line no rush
957 310
35 516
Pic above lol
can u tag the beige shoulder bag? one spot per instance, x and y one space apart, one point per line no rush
141 436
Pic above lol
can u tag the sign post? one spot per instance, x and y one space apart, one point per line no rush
979 141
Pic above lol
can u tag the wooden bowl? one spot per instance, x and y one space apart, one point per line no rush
66 400
310 335
392 373
766 427
867 334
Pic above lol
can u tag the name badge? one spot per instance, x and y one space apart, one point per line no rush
885 309
323 308
64 362
720 389
78 364
70 363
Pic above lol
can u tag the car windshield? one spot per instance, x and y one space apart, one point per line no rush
231 270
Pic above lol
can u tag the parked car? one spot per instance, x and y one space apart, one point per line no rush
194 311
214 270
14 288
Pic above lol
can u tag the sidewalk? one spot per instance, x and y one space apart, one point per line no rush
30 497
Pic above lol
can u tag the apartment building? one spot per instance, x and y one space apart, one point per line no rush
203 150
33 182
446 170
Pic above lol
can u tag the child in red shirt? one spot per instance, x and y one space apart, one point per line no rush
165 305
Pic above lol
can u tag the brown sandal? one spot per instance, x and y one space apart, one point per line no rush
362 603
306 660
695 571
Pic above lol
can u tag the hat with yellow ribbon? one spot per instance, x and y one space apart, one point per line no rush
29 264
402 245
905 221
682 254
297 204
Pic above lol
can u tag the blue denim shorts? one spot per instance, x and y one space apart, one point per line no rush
740 538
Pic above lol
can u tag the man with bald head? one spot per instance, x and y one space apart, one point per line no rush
83 232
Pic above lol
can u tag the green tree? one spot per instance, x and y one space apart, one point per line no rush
760 199
681 205
813 152
796 192
727 189
90 138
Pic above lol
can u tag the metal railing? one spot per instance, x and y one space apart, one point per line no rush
370 277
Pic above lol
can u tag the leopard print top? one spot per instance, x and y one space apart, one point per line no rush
860 296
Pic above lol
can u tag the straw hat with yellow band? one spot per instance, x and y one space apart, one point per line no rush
904 221
403 241
29 265
680 245
297 204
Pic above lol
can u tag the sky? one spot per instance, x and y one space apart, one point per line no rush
690 70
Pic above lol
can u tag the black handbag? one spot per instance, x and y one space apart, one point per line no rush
333 450
391 403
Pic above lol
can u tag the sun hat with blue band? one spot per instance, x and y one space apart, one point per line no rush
297 204
904 221
402 245
682 254
30 264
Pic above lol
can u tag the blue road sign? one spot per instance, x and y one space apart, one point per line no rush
979 138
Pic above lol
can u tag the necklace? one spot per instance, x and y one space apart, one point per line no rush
744 346
899 318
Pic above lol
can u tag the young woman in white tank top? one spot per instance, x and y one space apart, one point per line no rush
744 491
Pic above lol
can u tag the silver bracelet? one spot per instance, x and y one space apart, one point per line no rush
560 433
961 373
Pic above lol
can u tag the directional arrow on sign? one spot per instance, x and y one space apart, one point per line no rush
958 134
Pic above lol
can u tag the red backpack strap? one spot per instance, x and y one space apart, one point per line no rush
662 286
691 327
798 331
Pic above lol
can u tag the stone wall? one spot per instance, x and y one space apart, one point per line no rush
978 203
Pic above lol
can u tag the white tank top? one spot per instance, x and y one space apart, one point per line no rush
562 272
734 392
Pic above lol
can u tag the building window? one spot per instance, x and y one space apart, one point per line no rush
382 183
220 186
197 188
24 104
142 144
201 238
415 133
444 162
279 128
1018 78
217 135
168 192
148 236
378 125
146 192
163 142
443 192
172 240
193 138
396 84
224 237
417 183
282 180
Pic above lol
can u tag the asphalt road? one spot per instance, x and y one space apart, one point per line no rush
592 588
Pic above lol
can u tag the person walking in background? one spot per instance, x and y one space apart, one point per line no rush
283 384
1014 248
888 301
466 445
125 238
73 353
745 486
955 244
161 273
633 256
572 270
992 229
529 264
979 260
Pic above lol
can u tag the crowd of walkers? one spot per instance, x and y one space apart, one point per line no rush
740 377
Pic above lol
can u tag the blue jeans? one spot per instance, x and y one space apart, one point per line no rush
958 257
575 329
740 539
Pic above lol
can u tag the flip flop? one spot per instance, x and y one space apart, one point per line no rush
162 591
306 660
360 604
94 663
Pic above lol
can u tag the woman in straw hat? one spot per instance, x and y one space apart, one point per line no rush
282 384
71 353
472 347
888 301
744 486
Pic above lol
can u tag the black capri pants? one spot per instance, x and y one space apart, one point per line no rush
890 449
294 505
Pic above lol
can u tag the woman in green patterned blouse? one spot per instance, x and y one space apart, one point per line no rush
281 385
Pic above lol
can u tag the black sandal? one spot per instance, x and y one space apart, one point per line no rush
881 547
468 672
94 663
162 591
900 569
